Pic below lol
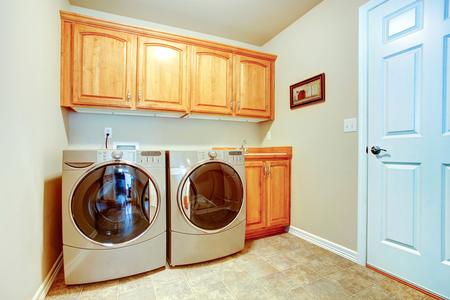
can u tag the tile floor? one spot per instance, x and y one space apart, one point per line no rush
278 267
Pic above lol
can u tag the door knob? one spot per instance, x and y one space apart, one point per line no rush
377 150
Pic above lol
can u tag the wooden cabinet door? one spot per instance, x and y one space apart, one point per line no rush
162 75
255 192
211 81
103 67
253 88
278 193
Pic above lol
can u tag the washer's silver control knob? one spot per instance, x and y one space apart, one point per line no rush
212 154
117 155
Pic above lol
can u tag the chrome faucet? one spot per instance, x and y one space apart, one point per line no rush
244 147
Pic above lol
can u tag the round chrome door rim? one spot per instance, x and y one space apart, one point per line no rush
180 191
111 163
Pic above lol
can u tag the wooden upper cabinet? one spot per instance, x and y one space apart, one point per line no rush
211 81
255 186
278 209
253 86
115 66
161 75
103 67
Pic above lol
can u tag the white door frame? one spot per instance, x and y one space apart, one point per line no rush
363 127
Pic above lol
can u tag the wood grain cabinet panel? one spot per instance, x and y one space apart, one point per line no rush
162 75
253 87
103 67
278 209
255 182
211 81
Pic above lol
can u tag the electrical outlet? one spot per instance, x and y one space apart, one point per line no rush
350 125
108 130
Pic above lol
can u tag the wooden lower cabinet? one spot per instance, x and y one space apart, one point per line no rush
268 193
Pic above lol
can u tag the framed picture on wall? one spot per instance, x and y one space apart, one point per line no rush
308 91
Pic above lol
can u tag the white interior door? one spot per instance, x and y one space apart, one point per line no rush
409 117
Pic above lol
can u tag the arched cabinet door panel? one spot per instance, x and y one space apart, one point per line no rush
103 67
211 81
253 89
256 205
278 193
161 75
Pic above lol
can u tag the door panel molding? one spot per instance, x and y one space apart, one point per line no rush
401 182
407 120
445 213
403 22
446 85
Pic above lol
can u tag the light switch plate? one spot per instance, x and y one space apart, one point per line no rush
350 125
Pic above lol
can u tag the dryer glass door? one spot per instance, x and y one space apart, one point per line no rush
212 196
114 203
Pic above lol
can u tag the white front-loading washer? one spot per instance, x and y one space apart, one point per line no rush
207 205
113 213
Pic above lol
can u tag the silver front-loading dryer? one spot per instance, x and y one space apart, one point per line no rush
207 205
113 213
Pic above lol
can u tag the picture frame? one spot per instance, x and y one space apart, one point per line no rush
309 91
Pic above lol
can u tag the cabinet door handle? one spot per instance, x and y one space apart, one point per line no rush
269 170
231 105
129 95
140 95
265 169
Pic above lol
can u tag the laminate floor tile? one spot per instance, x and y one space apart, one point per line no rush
281 267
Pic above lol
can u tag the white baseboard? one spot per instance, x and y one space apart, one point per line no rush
323 243
48 281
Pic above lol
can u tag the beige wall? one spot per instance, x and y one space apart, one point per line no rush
86 130
157 26
324 182
32 134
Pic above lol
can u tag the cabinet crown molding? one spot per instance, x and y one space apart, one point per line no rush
79 18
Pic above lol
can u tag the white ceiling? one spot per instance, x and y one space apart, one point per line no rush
250 21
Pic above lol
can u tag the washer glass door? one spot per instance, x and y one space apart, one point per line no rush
114 203
211 196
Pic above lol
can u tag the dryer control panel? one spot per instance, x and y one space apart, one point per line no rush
149 159
233 157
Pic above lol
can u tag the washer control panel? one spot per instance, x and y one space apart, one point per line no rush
108 155
154 159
